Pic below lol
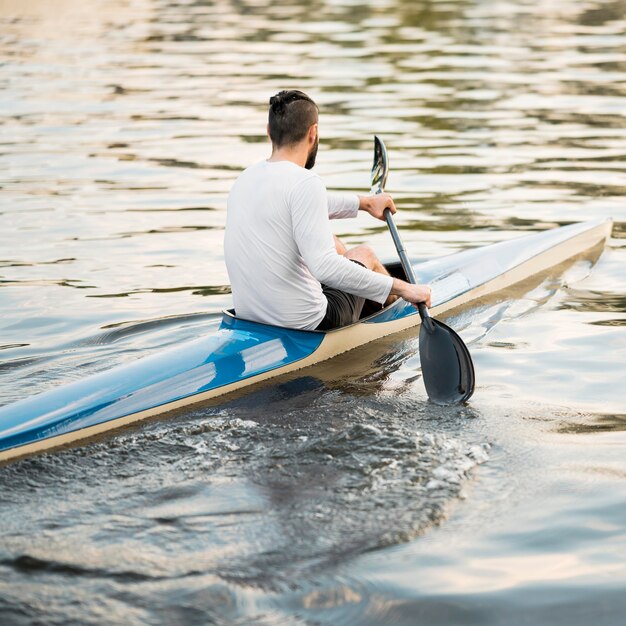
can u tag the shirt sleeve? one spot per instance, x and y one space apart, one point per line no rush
342 205
314 238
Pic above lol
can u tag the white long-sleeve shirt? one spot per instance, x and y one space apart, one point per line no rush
279 247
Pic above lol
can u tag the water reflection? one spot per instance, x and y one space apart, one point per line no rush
595 423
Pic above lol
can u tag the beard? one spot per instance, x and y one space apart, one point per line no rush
310 160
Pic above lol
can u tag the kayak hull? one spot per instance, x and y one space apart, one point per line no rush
242 353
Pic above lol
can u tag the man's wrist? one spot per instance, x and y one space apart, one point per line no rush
364 203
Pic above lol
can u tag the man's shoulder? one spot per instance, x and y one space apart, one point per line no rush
285 174
280 168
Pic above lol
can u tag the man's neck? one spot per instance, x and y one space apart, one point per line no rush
297 154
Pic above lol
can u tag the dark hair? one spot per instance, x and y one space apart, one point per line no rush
291 115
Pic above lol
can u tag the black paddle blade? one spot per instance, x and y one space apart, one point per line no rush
447 367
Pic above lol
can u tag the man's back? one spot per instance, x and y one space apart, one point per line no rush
270 280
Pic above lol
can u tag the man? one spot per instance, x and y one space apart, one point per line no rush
285 266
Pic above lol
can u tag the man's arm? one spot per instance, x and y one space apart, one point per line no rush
313 236
347 205
342 205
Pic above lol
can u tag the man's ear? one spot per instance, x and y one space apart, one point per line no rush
313 132
267 131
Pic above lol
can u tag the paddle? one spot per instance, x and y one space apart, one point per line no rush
447 366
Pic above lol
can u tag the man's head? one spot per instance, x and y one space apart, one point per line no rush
293 119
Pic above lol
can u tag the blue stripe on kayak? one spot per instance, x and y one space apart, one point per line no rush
237 351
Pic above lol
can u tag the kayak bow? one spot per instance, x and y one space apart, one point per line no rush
241 353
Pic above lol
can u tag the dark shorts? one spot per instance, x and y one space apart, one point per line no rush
343 308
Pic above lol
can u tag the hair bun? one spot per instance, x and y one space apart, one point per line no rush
277 104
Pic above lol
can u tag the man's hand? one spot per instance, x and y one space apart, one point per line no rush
411 293
376 204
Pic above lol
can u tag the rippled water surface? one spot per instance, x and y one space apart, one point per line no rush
338 495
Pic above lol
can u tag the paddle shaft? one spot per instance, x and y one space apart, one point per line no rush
404 259
380 169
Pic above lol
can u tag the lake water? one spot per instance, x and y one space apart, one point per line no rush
340 495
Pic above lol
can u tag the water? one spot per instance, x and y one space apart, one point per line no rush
338 495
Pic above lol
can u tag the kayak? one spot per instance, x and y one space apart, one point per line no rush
241 352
